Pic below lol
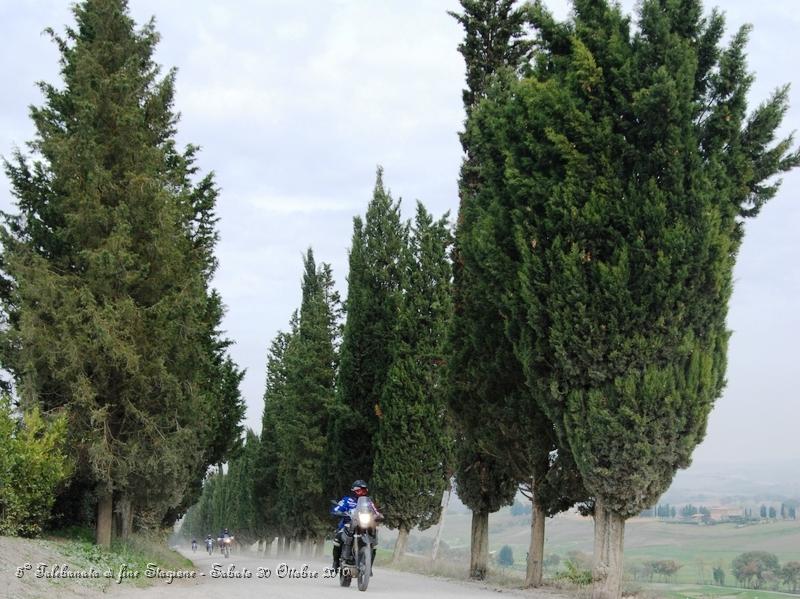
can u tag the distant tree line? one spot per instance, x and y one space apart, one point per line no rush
355 396
753 569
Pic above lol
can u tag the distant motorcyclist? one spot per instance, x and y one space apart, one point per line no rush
209 544
224 542
194 545
341 539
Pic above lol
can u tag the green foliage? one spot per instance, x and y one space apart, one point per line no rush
412 461
494 38
34 463
505 557
790 575
482 369
625 162
575 574
753 568
308 395
373 303
135 554
109 260
269 457
486 373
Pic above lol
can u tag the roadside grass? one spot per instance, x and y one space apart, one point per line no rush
135 555
496 577
697 548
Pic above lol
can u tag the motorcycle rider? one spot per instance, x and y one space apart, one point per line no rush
341 539
194 544
222 536
209 543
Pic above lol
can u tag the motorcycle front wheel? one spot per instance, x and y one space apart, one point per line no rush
344 579
364 567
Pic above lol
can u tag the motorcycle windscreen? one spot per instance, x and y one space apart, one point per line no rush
365 513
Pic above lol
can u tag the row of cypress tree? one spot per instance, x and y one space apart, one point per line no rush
363 399
109 317
609 167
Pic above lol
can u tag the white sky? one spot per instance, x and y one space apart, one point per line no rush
294 108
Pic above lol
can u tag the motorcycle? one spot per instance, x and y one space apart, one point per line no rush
210 546
362 537
225 545
194 546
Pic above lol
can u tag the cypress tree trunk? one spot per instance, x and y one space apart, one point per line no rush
319 549
105 515
280 548
400 545
533 575
609 534
125 516
268 547
479 546
438 539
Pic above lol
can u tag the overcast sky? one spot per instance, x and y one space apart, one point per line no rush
295 108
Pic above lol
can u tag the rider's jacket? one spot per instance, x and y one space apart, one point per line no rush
343 508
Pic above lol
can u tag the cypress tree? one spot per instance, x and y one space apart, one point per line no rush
412 445
486 375
302 430
269 456
108 263
373 302
628 162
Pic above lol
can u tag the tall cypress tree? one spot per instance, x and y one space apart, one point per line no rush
269 456
484 371
412 445
628 162
373 303
108 263
309 387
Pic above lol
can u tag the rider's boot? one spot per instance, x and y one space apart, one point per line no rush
347 549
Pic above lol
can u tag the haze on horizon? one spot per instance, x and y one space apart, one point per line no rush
295 111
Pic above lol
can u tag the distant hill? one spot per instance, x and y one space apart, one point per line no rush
727 482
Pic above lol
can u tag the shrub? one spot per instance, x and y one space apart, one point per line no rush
505 557
575 573
33 464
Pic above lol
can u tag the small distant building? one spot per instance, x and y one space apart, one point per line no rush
724 514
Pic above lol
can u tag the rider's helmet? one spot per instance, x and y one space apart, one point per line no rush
359 487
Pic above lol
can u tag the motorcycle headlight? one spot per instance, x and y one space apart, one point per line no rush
364 520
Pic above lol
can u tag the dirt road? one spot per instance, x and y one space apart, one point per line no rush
280 584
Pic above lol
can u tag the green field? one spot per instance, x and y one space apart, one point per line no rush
682 591
697 548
